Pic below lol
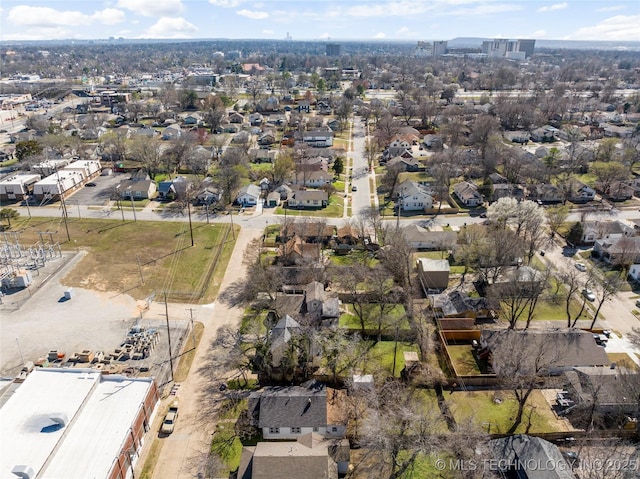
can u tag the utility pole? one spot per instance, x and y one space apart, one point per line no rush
64 205
140 269
133 207
190 224
233 233
166 309
193 331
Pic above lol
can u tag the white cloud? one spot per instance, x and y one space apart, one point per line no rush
618 28
551 8
538 34
169 27
46 17
325 36
43 33
253 15
380 35
268 32
487 9
109 16
153 8
225 3
612 8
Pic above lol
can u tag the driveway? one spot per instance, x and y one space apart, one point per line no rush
191 438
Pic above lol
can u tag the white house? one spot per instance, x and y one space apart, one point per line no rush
172 132
249 195
413 197
289 412
468 193
634 272
318 138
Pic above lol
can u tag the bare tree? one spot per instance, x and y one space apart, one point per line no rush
606 287
147 150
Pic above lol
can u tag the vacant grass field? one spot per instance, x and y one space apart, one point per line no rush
123 254
477 409
396 316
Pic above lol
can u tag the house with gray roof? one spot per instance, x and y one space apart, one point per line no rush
249 195
311 456
468 193
413 196
280 336
525 457
292 411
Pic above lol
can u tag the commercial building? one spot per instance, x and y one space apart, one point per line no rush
428 49
75 424
333 49
503 48
17 187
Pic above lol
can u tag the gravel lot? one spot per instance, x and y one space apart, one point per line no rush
37 320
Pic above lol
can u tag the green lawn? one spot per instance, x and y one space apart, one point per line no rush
463 359
396 316
227 445
380 357
261 168
479 409
417 176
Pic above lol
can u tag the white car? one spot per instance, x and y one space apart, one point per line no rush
587 293
581 267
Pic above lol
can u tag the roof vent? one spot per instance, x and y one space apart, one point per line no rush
23 472
60 419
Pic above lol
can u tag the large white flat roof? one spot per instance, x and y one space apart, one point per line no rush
98 413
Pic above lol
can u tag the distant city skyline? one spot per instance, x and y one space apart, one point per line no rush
402 20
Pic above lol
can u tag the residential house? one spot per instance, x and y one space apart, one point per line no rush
433 273
262 155
595 230
313 163
405 164
311 455
460 305
318 138
193 119
580 193
421 238
266 138
607 390
209 194
249 195
308 199
550 351
618 249
468 194
507 190
285 191
616 190
498 179
145 131
413 196
319 303
290 412
273 200
296 251
166 191
136 189
545 193
241 138
280 336
334 124
525 457
264 184
634 272
256 119
323 108
395 151
60 184
172 132
314 232
235 117
314 179
545 133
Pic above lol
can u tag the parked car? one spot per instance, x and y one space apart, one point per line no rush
637 303
170 419
91 183
354 188
587 293
581 267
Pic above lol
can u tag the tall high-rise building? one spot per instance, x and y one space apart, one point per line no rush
439 48
333 49
527 46
428 49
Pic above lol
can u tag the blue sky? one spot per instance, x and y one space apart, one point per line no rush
408 20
